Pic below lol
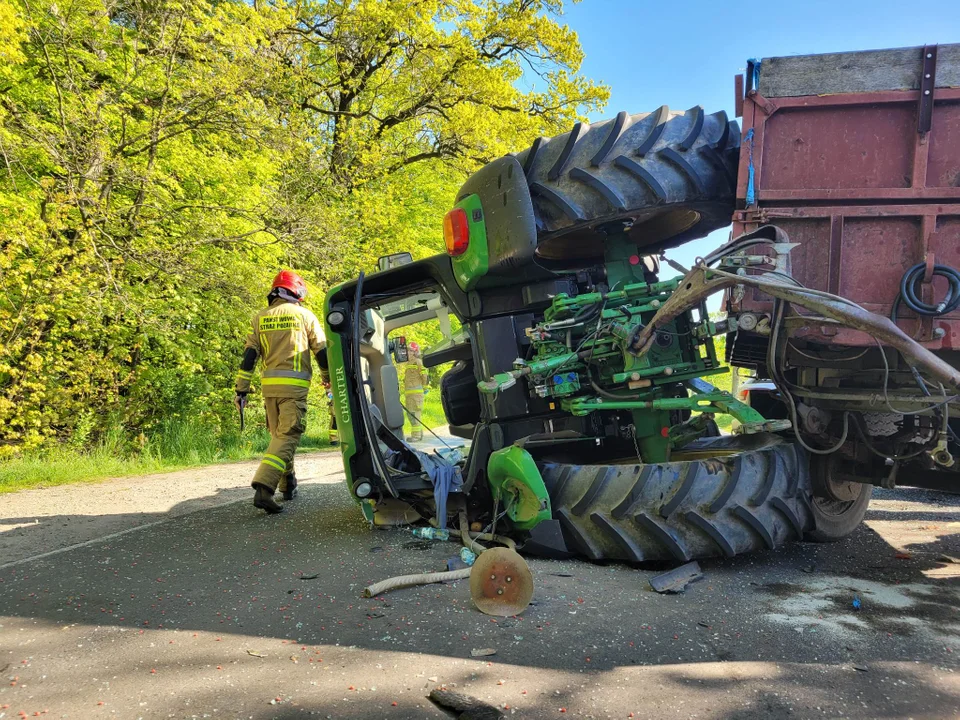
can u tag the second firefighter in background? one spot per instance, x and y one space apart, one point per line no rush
415 380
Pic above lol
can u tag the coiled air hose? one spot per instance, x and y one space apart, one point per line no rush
910 292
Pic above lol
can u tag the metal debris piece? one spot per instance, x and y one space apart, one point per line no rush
482 652
310 577
861 668
418 545
501 582
255 654
677 579
466 707
948 558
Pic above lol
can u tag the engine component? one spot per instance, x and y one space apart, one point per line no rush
814 420
582 356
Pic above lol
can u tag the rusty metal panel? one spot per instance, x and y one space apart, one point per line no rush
844 147
874 254
863 255
867 196
808 261
943 164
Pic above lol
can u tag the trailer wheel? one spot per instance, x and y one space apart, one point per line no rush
677 511
668 177
838 504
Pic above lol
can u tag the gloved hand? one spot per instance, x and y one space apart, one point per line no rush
240 401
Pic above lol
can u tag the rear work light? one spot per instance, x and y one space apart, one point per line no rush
456 232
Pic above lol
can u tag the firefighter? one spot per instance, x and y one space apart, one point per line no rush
414 379
285 335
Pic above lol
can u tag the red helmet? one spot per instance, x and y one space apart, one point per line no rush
289 280
413 346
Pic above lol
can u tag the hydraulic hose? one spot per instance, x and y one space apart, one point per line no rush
469 541
910 292
411 580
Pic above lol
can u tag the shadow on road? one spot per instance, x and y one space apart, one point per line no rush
228 579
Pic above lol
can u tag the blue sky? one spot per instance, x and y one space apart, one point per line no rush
686 53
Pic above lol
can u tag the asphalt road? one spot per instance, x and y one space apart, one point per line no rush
172 597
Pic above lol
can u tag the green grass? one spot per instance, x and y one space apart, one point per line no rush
432 414
175 446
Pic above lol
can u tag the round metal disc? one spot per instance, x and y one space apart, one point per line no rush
501 583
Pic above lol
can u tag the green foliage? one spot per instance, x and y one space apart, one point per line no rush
723 382
160 161
176 445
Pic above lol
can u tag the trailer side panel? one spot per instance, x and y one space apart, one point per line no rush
836 152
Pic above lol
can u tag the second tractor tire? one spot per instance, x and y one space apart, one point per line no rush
678 511
666 177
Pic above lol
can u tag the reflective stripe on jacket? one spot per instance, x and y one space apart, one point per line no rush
286 336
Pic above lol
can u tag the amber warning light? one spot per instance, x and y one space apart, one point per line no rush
456 232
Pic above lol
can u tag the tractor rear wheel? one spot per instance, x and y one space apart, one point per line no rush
677 511
666 177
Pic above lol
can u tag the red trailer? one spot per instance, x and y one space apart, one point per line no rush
856 156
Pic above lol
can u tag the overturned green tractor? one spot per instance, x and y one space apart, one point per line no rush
571 368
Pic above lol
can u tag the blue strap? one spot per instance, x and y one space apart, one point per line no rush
755 76
751 192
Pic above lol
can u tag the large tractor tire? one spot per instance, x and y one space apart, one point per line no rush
666 177
678 511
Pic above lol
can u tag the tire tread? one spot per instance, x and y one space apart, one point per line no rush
676 511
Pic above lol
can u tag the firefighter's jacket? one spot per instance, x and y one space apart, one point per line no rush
285 336
414 377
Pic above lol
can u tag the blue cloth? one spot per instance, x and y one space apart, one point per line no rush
446 478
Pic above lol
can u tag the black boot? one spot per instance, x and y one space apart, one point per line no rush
291 492
263 499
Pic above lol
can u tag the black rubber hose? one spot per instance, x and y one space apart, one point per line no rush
606 393
910 292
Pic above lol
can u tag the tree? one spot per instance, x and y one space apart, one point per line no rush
161 159
406 97
398 82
